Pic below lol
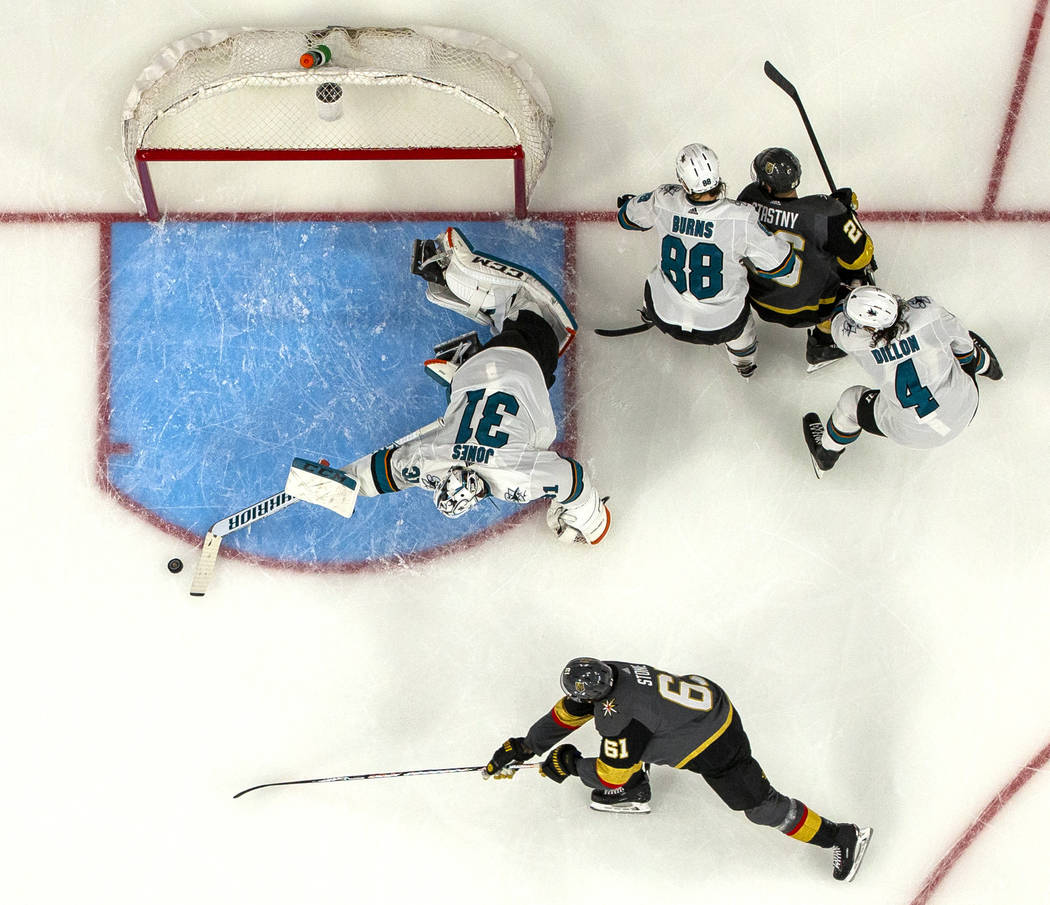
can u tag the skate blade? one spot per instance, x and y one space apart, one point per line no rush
625 807
816 468
821 364
863 838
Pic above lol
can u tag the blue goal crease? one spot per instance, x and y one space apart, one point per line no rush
238 346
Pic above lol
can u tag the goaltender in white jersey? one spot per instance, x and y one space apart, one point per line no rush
923 364
494 436
698 291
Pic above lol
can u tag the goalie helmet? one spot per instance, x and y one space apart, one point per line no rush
697 169
459 492
776 170
872 308
586 679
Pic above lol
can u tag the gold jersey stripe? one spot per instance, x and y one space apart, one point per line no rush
614 776
863 259
563 718
820 303
711 739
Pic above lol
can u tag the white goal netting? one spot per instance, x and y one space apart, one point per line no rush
244 90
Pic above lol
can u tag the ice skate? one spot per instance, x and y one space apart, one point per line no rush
848 851
994 370
631 798
449 355
820 350
823 459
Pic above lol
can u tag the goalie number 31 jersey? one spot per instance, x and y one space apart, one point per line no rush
499 423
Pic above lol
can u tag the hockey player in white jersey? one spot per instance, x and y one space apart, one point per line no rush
494 437
698 291
924 366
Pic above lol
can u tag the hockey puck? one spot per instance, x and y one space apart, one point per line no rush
175 566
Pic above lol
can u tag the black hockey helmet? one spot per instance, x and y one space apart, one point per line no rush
586 679
777 170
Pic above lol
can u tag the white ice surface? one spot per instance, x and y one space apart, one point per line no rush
883 631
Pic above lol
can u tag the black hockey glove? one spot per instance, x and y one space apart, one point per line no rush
512 751
847 196
622 200
561 763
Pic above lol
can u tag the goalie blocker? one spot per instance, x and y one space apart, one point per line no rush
319 483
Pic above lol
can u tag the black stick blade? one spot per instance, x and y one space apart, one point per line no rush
775 76
624 331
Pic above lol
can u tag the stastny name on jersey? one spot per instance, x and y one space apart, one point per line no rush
776 217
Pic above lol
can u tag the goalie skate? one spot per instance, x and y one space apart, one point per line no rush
450 355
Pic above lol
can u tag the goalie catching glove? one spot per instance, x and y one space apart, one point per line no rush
583 521
512 751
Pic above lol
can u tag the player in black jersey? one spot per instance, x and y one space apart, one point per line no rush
645 715
828 238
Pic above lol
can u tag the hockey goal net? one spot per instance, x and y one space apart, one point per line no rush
384 94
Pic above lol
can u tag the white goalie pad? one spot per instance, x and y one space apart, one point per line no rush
315 482
489 290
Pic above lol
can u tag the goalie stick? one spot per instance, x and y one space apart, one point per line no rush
784 85
430 772
263 509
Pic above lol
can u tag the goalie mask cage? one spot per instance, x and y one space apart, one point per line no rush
406 94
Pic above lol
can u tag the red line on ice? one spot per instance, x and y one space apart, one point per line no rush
983 819
1035 27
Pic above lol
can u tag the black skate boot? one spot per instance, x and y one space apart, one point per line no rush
820 350
449 355
848 850
813 431
631 798
994 371
429 260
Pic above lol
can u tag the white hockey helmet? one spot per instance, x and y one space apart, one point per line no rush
872 308
460 491
697 169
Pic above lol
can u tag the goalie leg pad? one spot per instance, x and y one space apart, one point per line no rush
322 485
490 290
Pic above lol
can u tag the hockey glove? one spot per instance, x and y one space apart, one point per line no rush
622 200
561 763
847 196
512 751
585 520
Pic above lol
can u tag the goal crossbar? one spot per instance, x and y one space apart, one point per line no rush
423 94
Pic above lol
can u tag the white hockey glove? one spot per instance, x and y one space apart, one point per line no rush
319 483
584 521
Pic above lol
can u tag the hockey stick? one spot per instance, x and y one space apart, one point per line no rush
784 85
431 772
624 331
646 324
255 512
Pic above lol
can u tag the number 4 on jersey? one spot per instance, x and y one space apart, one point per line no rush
911 392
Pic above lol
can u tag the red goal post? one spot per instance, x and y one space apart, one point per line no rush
385 94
